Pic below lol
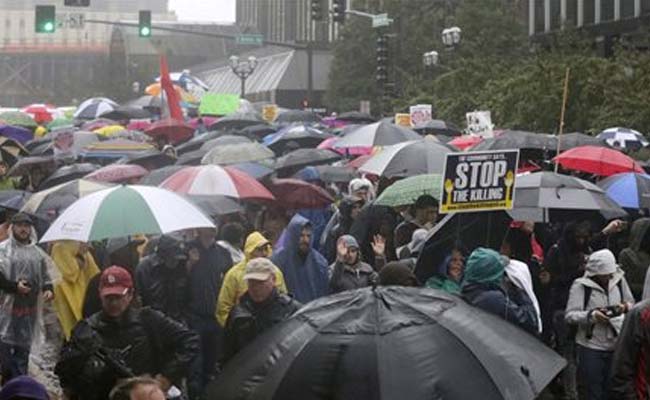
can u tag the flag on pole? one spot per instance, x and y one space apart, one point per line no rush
171 94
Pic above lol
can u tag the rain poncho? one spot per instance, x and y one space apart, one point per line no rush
635 259
76 271
306 278
19 314
234 286
441 280
519 275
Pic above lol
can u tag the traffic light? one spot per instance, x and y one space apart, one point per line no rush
45 19
317 13
339 8
76 3
144 23
382 59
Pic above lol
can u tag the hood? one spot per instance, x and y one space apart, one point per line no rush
296 225
345 207
637 233
601 262
253 241
484 266
33 238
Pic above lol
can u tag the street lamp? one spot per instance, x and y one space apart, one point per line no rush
430 59
243 69
451 37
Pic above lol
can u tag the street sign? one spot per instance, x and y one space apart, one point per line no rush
381 20
479 181
250 39
70 21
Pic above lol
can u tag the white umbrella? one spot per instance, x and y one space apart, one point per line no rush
123 211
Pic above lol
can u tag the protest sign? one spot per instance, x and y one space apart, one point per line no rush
480 123
421 114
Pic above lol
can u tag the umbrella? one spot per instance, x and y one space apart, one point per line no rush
508 140
133 135
96 123
145 102
157 176
548 197
224 140
58 198
576 139
406 191
330 142
327 173
207 121
216 205
155 89
184 78
212 180
150 159
377 134
25 164
255 169
628 190
67 173
80 139
17 133
18 118
139 124
299 136
41 113
14 199
359 161
356 117
123 113
117 173
105 214
171 130
109 130
11 151
60 122
293 116
237 121
114 149
93 108
196 142
438 127
294 194
237 153
466 141
390 343
601 161
619 137
258 131
424 156
192 158
305 157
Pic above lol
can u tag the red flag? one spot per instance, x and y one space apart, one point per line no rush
172 96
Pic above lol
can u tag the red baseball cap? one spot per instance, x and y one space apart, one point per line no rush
115 280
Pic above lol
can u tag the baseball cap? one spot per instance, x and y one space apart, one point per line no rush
22 218
115 280
259 269
23 387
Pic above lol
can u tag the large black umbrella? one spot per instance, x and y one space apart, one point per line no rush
518 140
356 117
237 121
123 113
293 116
293 161
546 197
298 136
576 139
68 173
424 156
157 176
377 134
438 127
390 343
149 159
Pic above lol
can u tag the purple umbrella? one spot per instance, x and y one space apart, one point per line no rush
20 135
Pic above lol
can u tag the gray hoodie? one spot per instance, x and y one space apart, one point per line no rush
593 335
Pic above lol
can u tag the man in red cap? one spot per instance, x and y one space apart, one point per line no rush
122 341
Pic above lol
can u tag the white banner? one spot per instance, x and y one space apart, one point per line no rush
480 123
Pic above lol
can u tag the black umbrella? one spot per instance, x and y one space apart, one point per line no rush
149 159
157 176
216 205
32 144
298 135
424 156
293 161
258 131
390 343
14 199
338 174
123 113
11 150
237 121
518 140
27 164
68 173
356 117
438 127
576 139
192 157
300 116
196 142
377 134
224 140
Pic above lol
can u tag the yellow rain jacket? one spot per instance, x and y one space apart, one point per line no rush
234 286
76 271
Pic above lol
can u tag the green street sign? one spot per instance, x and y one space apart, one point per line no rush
381 20
250 39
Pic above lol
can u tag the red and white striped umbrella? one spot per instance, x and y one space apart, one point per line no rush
211 180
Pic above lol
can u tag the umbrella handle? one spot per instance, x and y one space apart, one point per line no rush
557 191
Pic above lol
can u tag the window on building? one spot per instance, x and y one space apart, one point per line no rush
607 10
556 11
539 16
571 13
627 8
589 12
645 6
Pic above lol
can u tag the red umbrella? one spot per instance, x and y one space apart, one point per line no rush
97 123
465 141
138 125
118 173
359 161
294 194
42 113
172 130
597 160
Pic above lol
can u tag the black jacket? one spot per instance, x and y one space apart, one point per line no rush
248 320
206 277
162 288
144 340
345 277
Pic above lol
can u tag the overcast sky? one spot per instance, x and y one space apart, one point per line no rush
204 10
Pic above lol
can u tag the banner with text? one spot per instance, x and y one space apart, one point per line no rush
479 181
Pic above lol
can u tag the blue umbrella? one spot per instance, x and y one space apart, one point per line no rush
256 170
628 190
17 133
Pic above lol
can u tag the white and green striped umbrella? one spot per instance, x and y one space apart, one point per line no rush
126 210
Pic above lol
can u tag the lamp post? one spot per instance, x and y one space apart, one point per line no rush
243 69
431 59
451 37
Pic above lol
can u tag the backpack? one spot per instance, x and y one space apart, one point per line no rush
588 289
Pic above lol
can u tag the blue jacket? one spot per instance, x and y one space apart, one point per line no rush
514 307
306 277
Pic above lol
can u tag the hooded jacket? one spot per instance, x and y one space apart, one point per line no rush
635 258
339 225
441 280
76 272
234 286
597 336
306 277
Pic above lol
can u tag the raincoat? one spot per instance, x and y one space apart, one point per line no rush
234 286
635 259
441 280
306 278
76 271
19 314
